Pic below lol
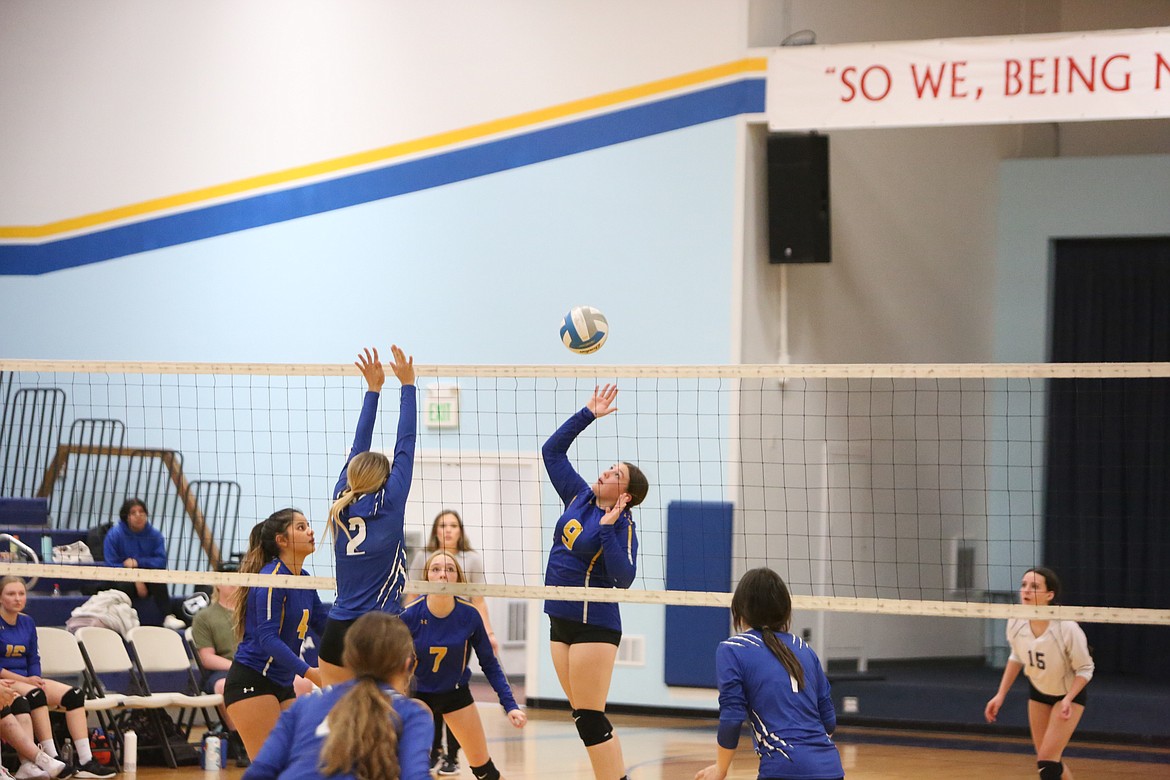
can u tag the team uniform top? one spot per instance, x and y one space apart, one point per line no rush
1054 658
371 559
146 546
584 552
444 645
293 749
790 728
275 626
19 641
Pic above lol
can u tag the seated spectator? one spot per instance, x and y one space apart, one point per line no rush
135 544
20 669
15 735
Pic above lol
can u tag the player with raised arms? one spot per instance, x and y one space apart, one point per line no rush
594 546
361 729
773 680
445 628
272 623
1054 656
367 517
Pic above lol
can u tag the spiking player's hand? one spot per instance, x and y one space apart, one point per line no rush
402 366
601 403
371 368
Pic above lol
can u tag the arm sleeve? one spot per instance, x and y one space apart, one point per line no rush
491 665
414 744
732 702
268 604
619 543
824 696
565 479
154 551
1077 646
319 616
278 748
402 468
111 548
362 438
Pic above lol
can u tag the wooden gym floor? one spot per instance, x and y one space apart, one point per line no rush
658 748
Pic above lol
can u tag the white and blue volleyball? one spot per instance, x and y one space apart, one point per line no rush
584 329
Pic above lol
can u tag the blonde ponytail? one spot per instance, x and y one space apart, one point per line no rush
366 473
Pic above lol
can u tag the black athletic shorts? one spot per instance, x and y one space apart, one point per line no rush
1044 698
333 640
446 701
244 683
571 632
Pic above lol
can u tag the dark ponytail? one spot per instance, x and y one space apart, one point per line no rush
262 548
762 602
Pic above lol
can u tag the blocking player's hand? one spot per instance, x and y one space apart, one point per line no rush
371 368
401 365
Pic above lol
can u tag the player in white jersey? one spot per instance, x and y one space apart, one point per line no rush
1054 656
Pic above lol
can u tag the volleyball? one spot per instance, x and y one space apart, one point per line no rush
584 329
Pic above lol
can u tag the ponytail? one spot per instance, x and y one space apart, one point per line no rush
366 473
784 653
363 726
262 547
363 734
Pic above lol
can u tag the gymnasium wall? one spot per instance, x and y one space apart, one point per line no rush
208 117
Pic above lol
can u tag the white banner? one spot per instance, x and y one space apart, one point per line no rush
1070 77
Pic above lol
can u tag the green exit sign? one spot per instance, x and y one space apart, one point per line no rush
441 406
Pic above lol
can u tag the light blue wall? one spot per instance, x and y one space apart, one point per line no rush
476 272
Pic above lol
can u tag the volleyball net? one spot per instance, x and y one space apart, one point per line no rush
901 489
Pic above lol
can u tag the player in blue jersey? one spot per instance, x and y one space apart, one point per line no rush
445 630
20 666
773 680
272 623
366 519
594 546
362 729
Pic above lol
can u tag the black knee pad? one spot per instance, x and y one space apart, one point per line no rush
592 726
74 699
19 706
1050 770
36 699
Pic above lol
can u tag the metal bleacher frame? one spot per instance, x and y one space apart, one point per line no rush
88 474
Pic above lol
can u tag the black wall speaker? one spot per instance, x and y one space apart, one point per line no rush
798 198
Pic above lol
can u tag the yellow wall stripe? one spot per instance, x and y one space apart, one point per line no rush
386 153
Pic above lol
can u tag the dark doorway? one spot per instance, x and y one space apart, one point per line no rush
1107 494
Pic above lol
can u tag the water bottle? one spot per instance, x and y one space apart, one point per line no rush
213 754
56 589
130 751
46 548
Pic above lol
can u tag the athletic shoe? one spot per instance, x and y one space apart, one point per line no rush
173 623
94 769
448 766
4 775
30 771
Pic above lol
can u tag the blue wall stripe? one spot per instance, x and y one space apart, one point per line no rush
661 116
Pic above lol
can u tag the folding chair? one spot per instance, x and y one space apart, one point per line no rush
161 651
61 659
109 664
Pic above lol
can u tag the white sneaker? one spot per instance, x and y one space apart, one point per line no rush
30 771
49 765
4 774
173 623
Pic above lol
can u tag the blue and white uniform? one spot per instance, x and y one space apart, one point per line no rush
275 624
19 645
371 558
293 749
584 552
790 728
443 646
